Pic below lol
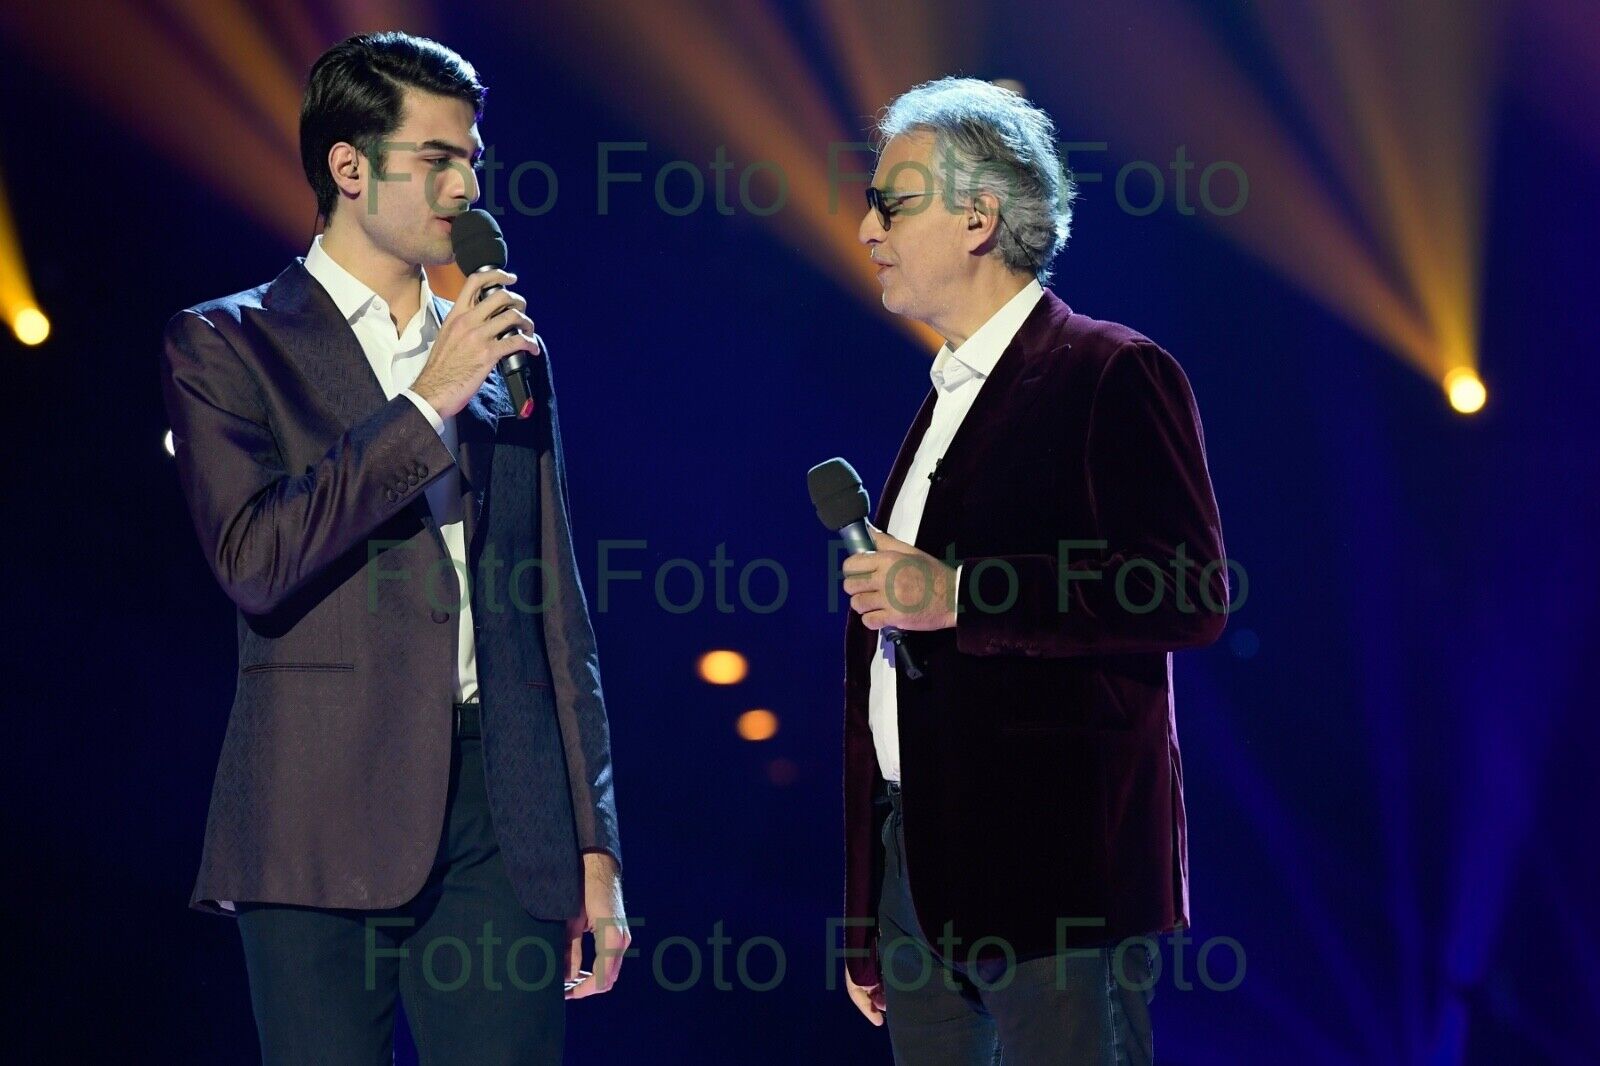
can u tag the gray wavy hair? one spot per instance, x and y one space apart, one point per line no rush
990 139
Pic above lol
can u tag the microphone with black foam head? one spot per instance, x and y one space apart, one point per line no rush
842 505
478 243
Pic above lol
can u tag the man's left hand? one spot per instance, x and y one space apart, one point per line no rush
901 586
604 917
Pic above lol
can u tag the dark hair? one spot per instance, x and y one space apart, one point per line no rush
355 94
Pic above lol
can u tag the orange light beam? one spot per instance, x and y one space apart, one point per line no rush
1291 222
884 49
118 59
16 291
242 52
751 90
1399 98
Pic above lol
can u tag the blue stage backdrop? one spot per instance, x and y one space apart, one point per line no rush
1389 762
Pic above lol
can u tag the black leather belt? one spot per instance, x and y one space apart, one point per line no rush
469 719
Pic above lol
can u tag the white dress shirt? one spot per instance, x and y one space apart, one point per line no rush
397 360
958 375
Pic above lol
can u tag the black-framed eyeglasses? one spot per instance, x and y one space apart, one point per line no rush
886 204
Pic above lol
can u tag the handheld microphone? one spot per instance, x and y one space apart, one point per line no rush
478 243
842 505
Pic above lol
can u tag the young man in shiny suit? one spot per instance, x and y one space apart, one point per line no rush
414 796
1014 816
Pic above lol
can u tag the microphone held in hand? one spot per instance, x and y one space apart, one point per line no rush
842 505
478 243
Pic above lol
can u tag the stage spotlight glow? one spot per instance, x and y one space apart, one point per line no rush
757 725
1373 200
782 772
723 667
166 442
165 70
737 76
1466 390
30 326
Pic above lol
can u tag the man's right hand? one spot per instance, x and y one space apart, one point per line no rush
869 1001
465 350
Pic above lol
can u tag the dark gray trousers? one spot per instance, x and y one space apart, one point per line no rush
1081 1008
480 978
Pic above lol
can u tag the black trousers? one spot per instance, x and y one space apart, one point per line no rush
1084 1008
480 978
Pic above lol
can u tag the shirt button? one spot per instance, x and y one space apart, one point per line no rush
439 616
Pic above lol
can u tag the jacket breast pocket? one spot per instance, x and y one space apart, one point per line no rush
294 667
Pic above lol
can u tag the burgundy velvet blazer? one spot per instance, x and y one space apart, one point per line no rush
1042 788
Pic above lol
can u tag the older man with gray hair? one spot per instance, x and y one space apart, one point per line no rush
1014 810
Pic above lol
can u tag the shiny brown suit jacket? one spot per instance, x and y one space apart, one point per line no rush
306 487
1042 785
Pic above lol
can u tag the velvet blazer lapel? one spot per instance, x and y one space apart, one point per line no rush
1007 392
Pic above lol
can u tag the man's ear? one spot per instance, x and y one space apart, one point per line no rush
982 221
347 166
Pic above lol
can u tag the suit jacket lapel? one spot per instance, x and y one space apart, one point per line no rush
304 325
302 322
1005 397
476 428
902 462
